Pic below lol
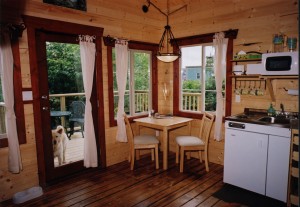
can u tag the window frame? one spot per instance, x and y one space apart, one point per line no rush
132 45
196 40
132 84
200 75
19 111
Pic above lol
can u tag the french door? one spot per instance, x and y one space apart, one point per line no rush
59 98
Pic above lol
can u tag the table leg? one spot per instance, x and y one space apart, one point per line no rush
165 149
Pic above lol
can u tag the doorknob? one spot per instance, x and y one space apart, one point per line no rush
45 108
44 97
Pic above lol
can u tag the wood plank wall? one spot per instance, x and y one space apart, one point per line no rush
256 20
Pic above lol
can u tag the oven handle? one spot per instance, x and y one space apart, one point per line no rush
236 125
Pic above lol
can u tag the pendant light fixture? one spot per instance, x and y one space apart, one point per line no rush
167 37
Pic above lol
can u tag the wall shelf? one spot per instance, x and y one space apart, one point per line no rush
267 78
246 60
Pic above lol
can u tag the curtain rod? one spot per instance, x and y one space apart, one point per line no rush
14 30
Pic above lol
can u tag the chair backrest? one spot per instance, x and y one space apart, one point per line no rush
129 131
77 109
206 126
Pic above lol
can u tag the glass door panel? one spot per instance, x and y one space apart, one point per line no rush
67 102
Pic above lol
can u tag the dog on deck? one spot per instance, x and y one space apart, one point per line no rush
60 142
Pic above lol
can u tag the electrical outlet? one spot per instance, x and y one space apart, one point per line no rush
237 98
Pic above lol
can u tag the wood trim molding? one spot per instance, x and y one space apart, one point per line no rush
199 39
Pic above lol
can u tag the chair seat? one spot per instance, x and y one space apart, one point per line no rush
188 141
145 139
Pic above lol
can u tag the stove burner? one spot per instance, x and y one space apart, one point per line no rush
242 116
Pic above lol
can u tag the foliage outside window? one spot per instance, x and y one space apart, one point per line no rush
64 63
2 113
198 88
138 86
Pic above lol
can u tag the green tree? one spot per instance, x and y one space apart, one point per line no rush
191 86
1 93
141 71
64 71
64 68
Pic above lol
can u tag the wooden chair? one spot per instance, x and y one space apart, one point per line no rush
140 142
192 143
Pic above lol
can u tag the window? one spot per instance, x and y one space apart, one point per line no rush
138 87
194 89
141 90
198 88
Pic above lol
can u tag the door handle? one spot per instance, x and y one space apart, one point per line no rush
45 108
45 97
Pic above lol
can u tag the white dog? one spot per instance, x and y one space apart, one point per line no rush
60 142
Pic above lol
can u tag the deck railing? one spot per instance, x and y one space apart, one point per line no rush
190 101
63 102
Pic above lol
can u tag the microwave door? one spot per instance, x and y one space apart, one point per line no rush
280 63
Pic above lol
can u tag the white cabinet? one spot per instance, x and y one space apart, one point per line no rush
278 167
258 162
245 160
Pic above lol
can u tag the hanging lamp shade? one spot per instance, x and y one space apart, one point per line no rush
167 39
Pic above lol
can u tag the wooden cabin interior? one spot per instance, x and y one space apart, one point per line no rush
249 25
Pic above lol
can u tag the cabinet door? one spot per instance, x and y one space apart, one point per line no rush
278 167
245 160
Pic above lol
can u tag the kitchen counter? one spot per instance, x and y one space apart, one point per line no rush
295 124
257 152
260 116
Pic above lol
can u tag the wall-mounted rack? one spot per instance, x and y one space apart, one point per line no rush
268 80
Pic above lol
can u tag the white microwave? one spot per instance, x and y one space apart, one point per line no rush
283 63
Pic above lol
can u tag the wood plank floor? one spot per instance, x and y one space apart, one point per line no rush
145 186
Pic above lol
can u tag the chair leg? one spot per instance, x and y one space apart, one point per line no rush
82 129
71 132
137 155
129 155
132 159
188 155
181 159
152 154
177 153
156 157
206 161
200 156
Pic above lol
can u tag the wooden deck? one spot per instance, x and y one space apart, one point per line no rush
118 186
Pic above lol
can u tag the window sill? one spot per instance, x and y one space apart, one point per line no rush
3 142
114 123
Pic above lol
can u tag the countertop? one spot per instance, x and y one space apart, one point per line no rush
252 116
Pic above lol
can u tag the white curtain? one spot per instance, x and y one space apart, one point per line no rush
6 71
121 47
220 44
87 54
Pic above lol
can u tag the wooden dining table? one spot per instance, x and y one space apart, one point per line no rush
164 124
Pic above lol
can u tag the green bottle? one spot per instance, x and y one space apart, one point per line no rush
271 111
